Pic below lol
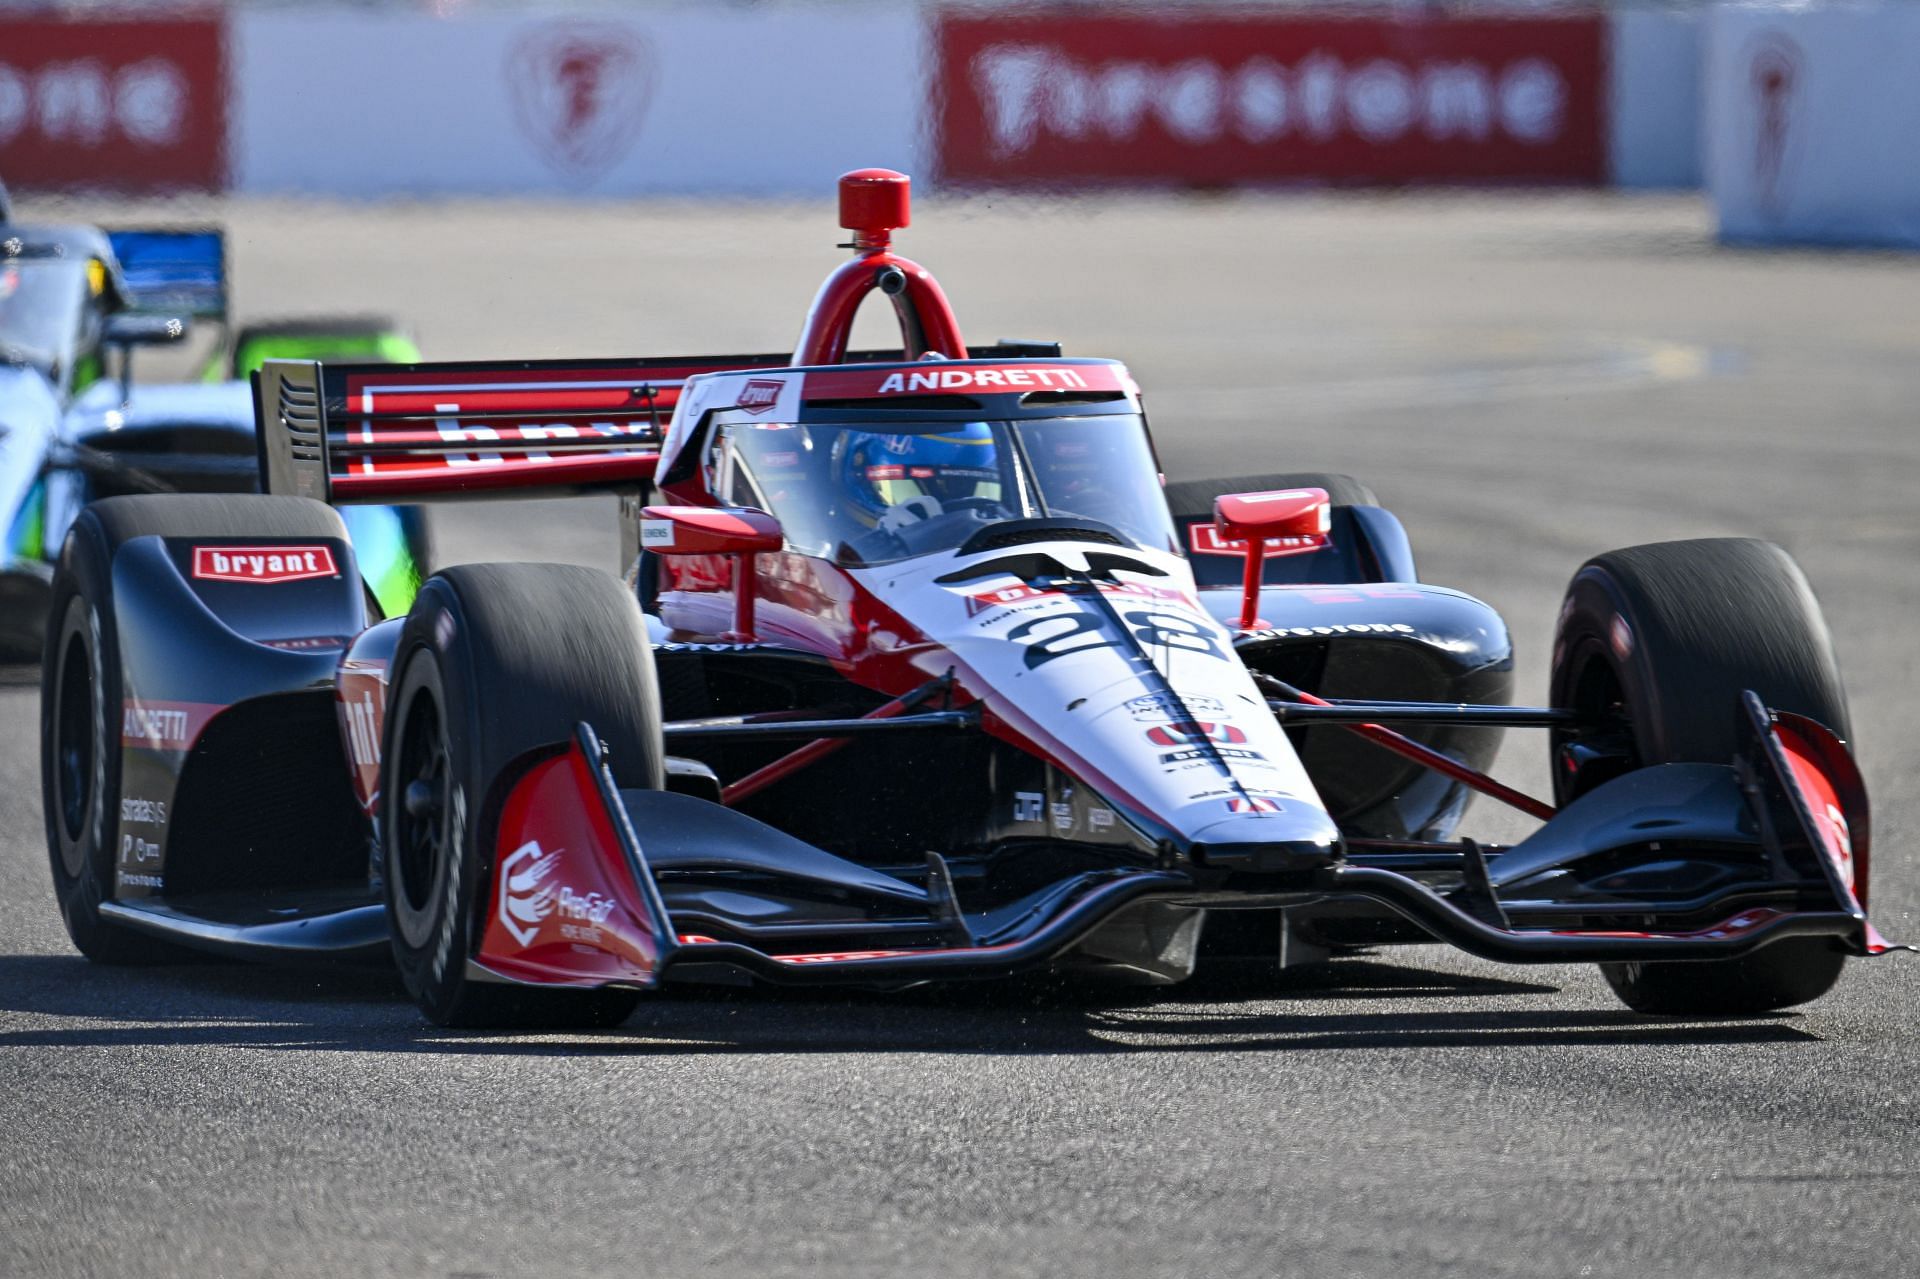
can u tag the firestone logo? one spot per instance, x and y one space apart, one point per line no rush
580 92
1031 90
263 563
1775 62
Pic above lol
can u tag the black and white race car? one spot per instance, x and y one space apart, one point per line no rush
917 672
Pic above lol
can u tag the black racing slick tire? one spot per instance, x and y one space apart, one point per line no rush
1667 637
496 662
82 690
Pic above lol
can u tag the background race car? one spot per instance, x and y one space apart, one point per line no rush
73 300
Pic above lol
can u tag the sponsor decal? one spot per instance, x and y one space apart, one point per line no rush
1169 706
782 461
1100 818
580 93
268 564
143 812
307 643
694 646
530 896
657 534
935 379
363 729
1181 733
1205 539
1332 628
526 898
142 881
124 105
1252 804
1095 94
135 850
163 725
981 380
759 395
1028 806
1218 752
1063 816
1000 597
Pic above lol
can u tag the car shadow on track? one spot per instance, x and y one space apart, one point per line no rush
1353 1004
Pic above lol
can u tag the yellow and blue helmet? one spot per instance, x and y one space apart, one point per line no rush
879 471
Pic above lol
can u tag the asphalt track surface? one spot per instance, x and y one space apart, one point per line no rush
1526 381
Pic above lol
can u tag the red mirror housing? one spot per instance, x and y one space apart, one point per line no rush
740 531
708 530
1262 525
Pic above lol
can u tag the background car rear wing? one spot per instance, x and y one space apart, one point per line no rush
383 433
174 270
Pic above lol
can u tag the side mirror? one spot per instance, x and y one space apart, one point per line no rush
740 531
133 329
708 530
1264 524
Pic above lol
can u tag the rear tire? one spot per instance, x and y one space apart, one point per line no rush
496 661
82 691
1669 635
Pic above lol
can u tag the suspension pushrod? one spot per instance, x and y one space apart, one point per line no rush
810 729
813 752
1405 746
1293 712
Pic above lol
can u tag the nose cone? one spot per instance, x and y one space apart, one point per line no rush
1289 836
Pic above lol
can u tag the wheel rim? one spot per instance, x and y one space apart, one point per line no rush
74 749
421 835
1585 758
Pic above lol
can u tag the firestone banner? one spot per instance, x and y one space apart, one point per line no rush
131 105
1080 96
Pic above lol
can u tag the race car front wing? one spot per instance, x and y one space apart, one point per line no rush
574 901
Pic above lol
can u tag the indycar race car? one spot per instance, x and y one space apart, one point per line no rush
916 673
70 296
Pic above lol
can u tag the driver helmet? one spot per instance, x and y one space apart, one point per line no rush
879 472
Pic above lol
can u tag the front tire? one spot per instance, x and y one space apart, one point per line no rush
497 661
1666 637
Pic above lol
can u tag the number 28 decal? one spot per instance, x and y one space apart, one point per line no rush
1064 634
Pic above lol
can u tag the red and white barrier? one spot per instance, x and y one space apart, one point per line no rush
137 105
1083 95
763 100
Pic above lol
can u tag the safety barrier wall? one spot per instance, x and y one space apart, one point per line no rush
135 104
764 100
1812 116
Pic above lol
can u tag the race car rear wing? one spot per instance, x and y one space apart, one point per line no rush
174 270
384 433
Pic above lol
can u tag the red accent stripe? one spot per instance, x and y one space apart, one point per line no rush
508 473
